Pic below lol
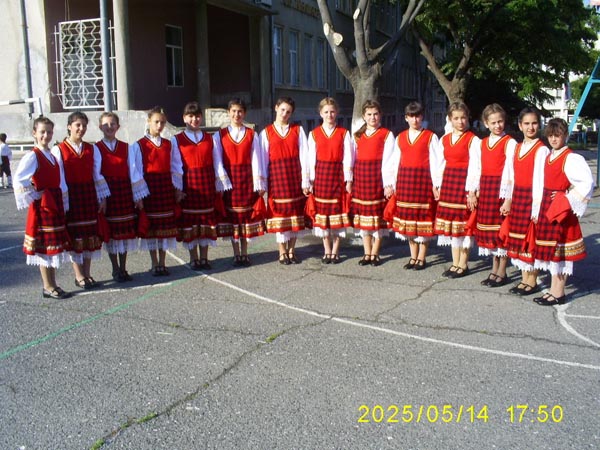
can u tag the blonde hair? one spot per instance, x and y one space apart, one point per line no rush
328 101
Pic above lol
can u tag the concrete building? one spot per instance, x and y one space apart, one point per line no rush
168 53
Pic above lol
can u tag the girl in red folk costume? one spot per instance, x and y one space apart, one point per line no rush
127 187
154 155
407 172
330 162
39 183
568 187
455 182
197 164
368 198
528 166
495 192
88 191
244 182
285 152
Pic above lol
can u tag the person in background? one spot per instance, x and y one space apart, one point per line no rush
6 154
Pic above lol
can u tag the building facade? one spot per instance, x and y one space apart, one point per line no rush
168 53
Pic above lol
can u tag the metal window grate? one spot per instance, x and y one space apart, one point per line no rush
79 64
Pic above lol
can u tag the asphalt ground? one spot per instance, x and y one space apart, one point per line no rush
307 356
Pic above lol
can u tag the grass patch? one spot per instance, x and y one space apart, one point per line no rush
273 337
147 417
97 445
174 325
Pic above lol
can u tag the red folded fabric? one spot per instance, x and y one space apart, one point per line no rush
390 209
177 211
471 224
346 202
103 228
559 209
529 241
32 221
310 208
143 223
220 207
504 230
259 209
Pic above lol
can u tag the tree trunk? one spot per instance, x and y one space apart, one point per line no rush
364 89
458 90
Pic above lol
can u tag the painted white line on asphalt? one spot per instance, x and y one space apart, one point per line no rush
113 290
579 316
394 332
10 248
13 232
561 314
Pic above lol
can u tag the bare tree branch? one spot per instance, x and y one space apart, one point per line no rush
432 64
339 53
362 61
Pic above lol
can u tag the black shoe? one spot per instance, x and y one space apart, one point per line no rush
56 293
420 264
335 259
459 272
365 260
410 264
490 279
448 272
293 259
245 261
284 259
550 300
375 261
326 259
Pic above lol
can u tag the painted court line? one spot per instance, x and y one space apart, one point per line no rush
561 316
10 248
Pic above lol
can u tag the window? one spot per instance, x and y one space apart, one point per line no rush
293 53
277 56
320 66
341 82
174 41
308 63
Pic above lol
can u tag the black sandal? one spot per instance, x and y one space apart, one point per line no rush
237 261
375 261
365 260
410 264
246 261
528 290
196 265
293 259
125 276
326 259
83 284
56 293
205 264
284 259
459 272
448 272
420 264
335 259
499 281
490 279
550 300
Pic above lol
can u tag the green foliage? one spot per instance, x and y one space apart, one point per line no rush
529 44
591 107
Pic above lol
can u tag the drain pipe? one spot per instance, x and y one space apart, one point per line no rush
26 55
106 63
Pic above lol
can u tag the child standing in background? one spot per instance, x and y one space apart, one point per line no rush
528 167
455 182
197 164
155 158
330 162
407 172
243 164
6 154
368 198
127 188
40 185
568 186
285 148
495 192
87 197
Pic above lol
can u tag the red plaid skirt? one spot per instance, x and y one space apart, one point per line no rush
452 213
120 210
519 220
329 185
82 217
199 204
160 206
489 218
50 235
558 241
240 200
415 205
286 198
368 200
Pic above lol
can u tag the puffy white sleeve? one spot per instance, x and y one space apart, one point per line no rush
136 172
176 165
259 168
507 181
582 183
474 169
312 157
24 190
437 164
63 179
390 163
349 157
303 151
102 189
537 189
264 151
222 181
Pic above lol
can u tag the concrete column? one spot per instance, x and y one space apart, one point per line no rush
202 59
122 55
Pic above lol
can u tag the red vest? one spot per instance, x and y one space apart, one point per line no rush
236 153
194 155
329 148
78 168
555 178
457 154
494 157
156 159
283 147
524 165
47 175
370 148
114 164
415 154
